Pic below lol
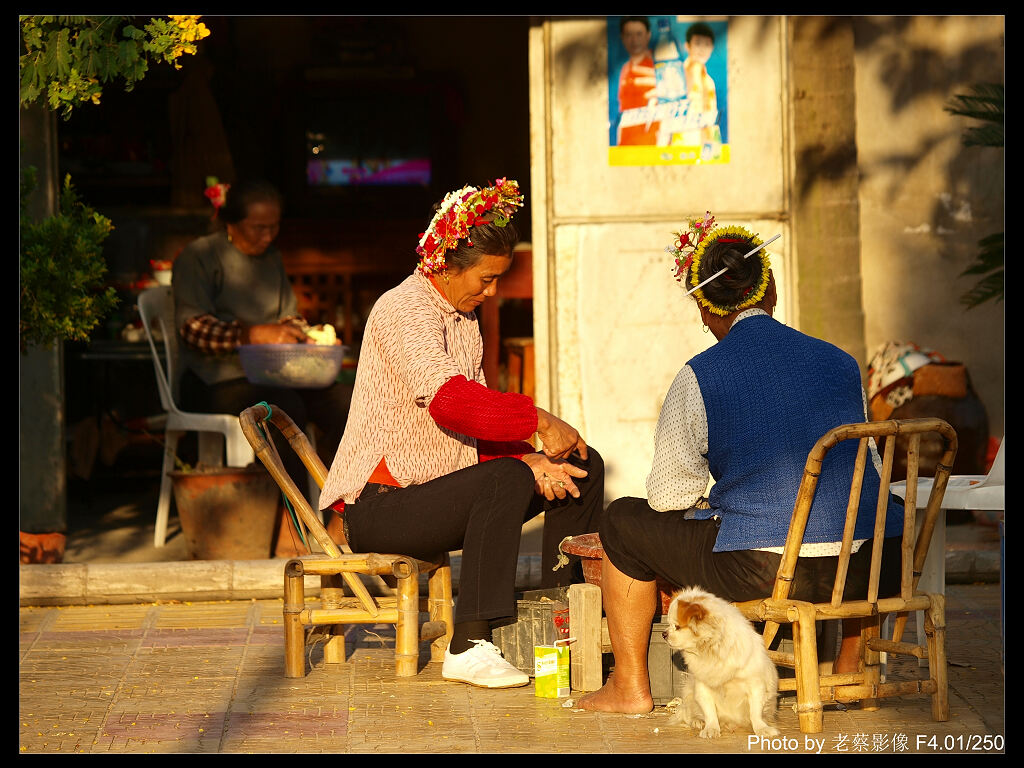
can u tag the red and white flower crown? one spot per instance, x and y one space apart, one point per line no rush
460 210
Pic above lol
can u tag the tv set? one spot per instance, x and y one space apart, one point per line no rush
370 147
374 139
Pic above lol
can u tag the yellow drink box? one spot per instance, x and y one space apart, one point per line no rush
551 669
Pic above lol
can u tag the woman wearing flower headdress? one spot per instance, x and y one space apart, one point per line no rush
746 412
433 461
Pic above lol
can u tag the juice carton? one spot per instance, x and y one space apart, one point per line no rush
551 669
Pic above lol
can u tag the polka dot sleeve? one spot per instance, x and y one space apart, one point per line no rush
679 472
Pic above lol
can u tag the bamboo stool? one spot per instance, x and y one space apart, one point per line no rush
401 606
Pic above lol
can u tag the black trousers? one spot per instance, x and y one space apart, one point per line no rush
327 408
480 510
644 543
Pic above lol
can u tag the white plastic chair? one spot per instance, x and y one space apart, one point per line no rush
215 430
974 492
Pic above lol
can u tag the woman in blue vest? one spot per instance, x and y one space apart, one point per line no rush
746 412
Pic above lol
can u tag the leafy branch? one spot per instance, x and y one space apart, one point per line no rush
986 104
67 59
62 270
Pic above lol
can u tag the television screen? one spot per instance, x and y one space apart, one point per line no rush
350 171
372 139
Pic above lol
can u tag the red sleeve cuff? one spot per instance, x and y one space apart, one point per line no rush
491 449
470 408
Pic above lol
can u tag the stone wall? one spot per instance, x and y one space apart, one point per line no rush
838 141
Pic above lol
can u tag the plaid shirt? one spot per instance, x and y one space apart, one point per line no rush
211 335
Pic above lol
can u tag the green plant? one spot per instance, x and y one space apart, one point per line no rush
62 270
67 58
985 103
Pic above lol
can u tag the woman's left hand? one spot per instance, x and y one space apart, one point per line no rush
553 478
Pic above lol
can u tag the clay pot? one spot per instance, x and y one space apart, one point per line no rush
226 513
42 547
286 537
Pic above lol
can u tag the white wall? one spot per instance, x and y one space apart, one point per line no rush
925 199
612 326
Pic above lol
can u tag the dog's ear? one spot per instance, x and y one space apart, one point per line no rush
686 612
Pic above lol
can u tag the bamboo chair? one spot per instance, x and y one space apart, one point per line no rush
865 685
400 606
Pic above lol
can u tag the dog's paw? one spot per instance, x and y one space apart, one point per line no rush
766 731
680 717
710 732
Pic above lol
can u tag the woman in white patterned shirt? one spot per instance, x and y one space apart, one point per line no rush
432 460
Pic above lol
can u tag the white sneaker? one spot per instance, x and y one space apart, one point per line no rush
483 666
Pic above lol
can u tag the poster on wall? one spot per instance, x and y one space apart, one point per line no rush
667 90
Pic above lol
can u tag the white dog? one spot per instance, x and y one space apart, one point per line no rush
730 680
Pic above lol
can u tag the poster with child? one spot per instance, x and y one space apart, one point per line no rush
667 90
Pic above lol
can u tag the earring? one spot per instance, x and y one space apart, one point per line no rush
705 329
445 275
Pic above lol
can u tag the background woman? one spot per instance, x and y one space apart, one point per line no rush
230 288
432 460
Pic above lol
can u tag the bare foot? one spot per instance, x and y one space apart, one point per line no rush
611 699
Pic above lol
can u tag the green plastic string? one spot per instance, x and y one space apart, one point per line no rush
284 497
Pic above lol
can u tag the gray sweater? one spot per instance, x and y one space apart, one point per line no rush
211 276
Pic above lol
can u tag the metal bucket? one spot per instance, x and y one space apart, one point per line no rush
226 513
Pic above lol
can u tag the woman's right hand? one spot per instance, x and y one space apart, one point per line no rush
553 478
273 333
558 438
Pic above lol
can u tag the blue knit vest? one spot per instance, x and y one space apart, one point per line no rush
770 393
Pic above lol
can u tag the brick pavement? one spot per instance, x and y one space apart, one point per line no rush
197 678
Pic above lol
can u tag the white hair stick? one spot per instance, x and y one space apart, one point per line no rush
724 269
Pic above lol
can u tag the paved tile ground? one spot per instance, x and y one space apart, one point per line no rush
208 678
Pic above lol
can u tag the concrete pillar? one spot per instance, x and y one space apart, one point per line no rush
825 205
42 456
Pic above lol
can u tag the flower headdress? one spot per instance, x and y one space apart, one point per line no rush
216 192
690 245
460 210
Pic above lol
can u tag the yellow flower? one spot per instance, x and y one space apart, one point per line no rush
191 27
756 295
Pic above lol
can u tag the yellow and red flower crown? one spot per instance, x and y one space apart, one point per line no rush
461 210
689 246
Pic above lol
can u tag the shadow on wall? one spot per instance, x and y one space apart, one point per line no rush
913 72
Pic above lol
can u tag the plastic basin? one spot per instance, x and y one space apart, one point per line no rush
298 366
